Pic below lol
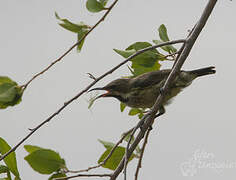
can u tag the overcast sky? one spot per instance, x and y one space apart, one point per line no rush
200 121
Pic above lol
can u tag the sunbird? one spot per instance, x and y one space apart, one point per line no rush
143 90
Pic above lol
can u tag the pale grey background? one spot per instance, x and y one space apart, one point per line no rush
202 117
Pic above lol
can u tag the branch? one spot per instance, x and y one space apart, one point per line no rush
85 90
72 47
174 72
141 155
83 175
108 156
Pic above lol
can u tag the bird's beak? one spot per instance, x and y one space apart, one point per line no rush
101 88
102 95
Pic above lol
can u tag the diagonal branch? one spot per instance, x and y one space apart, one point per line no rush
141 155
33 130
83 175
191 39
73 46
108 156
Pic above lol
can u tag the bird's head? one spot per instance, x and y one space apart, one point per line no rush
118 88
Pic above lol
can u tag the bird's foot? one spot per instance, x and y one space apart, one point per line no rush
161 111
161 90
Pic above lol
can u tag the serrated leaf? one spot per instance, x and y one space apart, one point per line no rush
115 158
30 148
56 175
94 6
125 53
45 161
122 106
106 144
68 25
163 33
10 160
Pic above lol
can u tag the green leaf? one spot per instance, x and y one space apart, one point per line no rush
7 92
45 161
57 175
128 137
140 69
94 6
140 116
115 158
141 45
138 150
107 144
145 62
66 24
81 29
10 160
80 35
125 53
122 106
3 169
134 111
10 92
5 79
103 2
163 33
169 48
30 148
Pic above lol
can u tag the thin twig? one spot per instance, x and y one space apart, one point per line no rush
172 54
91 76
85 90
139 124
173 74
141 155
108 156
72 47
83 175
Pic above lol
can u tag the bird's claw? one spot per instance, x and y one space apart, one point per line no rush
161 90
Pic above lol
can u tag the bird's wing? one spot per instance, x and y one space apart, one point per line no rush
150 78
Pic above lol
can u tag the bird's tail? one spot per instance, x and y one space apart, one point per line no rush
203 71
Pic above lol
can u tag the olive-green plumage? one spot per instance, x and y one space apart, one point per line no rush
143 90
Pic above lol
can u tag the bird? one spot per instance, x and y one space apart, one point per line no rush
142 91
